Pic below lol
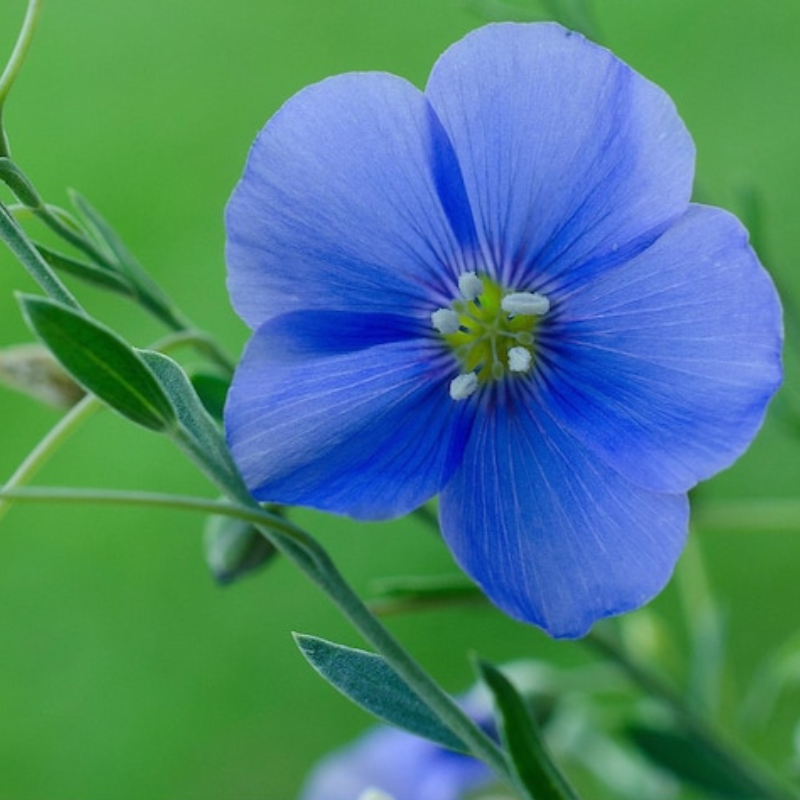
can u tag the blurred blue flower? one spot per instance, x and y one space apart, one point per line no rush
498 290
399 765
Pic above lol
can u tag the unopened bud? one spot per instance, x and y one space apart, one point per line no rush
234 548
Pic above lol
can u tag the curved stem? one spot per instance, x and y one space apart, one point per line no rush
306 553
15 61
54 438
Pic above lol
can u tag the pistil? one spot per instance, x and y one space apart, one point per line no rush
491 332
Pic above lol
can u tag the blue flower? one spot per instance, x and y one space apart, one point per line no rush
498 291
400 766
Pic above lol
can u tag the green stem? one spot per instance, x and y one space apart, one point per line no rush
54 438
74 418
306 553
15 62
751 774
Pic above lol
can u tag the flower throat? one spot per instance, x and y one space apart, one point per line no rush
490 331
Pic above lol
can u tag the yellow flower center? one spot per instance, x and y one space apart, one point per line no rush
490 330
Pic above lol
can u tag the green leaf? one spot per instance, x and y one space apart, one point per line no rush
197 434
100 277
234 548
17 181
691 759
532 763
147 290
27 254
100 361
367 680
102 233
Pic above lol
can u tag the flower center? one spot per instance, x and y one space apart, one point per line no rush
490 331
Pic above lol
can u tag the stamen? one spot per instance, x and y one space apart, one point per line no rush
462 386
491 334
519 359
525 304
470 286
445 320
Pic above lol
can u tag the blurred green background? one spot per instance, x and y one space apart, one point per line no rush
124 671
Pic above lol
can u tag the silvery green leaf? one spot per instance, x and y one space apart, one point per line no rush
199 436
89 273
146 289
27 254
19 184
371 683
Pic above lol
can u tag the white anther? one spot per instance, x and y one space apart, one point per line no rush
374 794
462 386
519 359
525 304
470 285
445 320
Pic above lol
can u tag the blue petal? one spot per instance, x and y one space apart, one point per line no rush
344 412
551 534
351 200
570 158
664 366
401 765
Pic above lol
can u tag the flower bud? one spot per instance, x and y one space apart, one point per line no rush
234 548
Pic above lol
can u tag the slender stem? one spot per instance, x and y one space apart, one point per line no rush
73 419
759 780
54 438
304 551
15 61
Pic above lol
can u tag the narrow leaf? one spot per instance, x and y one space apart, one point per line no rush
107 237
19 244
532 763
100 361
102 278
367 680
198 435
17 181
